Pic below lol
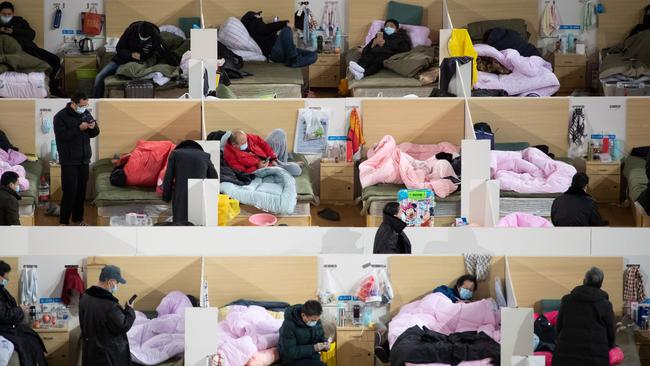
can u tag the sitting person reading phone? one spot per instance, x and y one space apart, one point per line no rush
390 41
248 153
302 337
462 291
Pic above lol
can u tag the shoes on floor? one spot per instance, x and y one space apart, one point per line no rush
329 214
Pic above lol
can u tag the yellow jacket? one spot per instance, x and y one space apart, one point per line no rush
460 44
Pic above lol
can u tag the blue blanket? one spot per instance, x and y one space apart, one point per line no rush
273 190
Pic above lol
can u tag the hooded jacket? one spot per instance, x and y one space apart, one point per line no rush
585 327
104 324
130 42
73 144
246 161
297 339
390 237
264 34
576 208
397 42
9 207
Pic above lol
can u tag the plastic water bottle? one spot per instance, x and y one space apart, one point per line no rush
43 192
54 153
338 39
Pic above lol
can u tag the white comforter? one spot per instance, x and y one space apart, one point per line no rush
20 85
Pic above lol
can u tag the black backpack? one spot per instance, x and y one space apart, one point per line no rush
233 60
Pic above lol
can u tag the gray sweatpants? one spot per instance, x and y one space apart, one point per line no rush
278 142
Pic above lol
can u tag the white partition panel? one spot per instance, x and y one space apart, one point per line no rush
607 241
86 241
15 241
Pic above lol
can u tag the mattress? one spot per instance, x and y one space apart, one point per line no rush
268 79
634 173
22 85
387 83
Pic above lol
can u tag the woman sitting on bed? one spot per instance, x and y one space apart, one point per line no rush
462 291
390 41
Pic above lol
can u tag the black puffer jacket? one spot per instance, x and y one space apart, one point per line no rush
73 144
585 327
264 34
297 339
390 237
503 39
9 214
22 32
397 42
104 324
28 345
155 47
576 208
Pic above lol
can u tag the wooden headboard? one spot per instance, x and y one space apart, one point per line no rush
289 279
463 12
361 13
638 133
151 278
420 121
413 277
216 11
541 278
18 121
259 117
14 275
124 122
121 13
538 121
618 20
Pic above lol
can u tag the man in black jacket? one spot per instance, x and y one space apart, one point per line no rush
390 41
576 207
390 237
277 47
585 324
104 323
9 198
19 28
139 42
74 126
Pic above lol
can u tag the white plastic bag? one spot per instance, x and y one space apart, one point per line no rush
329 290
6 350
314 129
369 289
386 287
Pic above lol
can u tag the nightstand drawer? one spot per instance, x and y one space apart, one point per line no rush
605 188
568 59
337 171
362 336
603 169
55 342
324 76
332 189
327 60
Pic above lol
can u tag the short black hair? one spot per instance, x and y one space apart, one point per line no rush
7 5
78 96
580 180
394 21
8 178
311 308
391 208
461 280
4 268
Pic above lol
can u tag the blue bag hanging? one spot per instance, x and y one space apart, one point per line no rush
58 14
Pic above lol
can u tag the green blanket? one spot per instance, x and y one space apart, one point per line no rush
634 173
304 187
631 58
109 195
138 70
413 62
13 58
33 172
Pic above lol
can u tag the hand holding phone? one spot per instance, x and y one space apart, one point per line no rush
131 300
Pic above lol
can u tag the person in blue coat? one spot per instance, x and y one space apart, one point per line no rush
463 291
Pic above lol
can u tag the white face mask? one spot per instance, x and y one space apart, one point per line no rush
312 323
114 288
81 110
6 18
17 188
4 282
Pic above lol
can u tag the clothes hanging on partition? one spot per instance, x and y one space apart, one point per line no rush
330 22
460 44
29 286
589 16
355 135
71 282
633 289
478 265
550 22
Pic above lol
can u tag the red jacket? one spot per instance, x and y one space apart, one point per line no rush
144 165
246 161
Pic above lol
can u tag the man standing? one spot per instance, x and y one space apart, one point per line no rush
104 323
301 336
74 126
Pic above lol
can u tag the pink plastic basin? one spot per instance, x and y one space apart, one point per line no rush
263 219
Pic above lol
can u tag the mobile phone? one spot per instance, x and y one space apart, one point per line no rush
132 299
267 160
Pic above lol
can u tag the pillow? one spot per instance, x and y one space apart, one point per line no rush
405 13
477 29
233 34
174 30
419 35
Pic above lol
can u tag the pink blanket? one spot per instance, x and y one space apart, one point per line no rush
412 165
520 219
153 341
530 75
438 313
10 162
245 332
530 171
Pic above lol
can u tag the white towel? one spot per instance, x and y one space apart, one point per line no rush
29 286
590 18
478 265
550 21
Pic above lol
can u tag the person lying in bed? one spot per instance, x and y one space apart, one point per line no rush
576 207
390 41
248 153
277 47
301 336
462 291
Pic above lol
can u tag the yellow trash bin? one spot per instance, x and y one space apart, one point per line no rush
329 357
228 209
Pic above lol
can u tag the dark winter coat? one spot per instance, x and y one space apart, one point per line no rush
22 32
424 346
27 343
451 292
9 207
187 161
73 144
390 237
576 208
585 328
104 324
297 340
264 34
644 197
397 42
130 42
503 39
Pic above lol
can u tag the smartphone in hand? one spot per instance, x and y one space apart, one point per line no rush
132 299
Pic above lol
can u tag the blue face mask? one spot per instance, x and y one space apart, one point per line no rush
4 282
46 124
17 188
114 289
389 31
465 294
312 323
243 147
81 110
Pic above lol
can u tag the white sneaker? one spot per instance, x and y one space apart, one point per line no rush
357 74
356 67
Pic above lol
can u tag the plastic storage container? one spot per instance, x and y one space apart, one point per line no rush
625 89
86 80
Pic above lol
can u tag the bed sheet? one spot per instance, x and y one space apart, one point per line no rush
22 85
634 173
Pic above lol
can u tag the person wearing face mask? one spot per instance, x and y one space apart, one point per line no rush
301 336
576 207
140 42
9 198
74 126
18 28
247 152
390 41
27 343
390 237
463 291
104 323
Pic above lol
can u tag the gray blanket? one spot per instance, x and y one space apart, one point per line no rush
630 59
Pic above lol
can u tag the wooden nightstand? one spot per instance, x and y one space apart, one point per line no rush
326 71
604 181
571 70
71 63
55 183
57 344
355 346
337 182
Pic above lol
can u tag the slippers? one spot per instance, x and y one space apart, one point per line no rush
329 214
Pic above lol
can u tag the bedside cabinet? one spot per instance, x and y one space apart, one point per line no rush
55 183
355 346
571 70
71 63
57 344
337 182
604 181
326 71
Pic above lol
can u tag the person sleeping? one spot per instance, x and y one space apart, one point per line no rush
463 291
390 41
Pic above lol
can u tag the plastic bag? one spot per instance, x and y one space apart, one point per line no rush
314 129
91 23
385 286
329 290
228 209
369 290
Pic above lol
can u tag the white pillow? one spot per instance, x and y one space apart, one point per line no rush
418 34
233 34
173 30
